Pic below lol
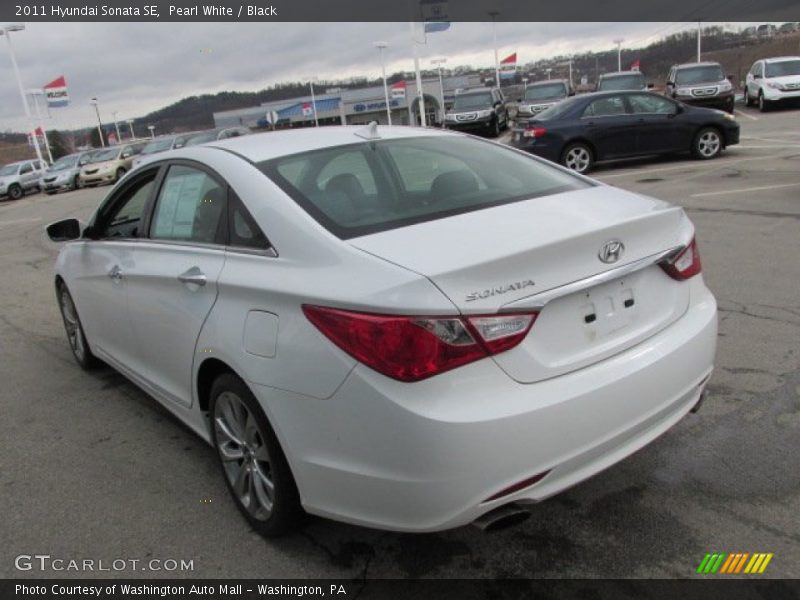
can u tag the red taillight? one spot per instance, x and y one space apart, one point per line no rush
684 265
411 348
534 132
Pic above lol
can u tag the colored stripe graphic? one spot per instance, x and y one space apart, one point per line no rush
734 563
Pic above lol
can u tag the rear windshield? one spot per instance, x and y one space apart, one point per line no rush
550 90
555 112
470 101
370 187
783 68
159 145
711 73
621 82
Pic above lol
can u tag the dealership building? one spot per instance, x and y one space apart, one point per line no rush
354 106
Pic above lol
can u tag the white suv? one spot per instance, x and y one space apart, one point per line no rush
771 80
20 177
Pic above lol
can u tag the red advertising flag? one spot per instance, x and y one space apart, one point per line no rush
511 59
635 65
398 90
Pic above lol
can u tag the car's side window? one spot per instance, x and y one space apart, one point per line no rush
190 207
243 232
646 104
26 168
125 218
604 107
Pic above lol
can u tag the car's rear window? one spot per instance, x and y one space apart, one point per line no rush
368 187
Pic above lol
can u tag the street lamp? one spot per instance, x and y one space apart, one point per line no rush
548 71
6 30
618 42
439 62
130 126
152 129
381 46
116 126
310 81
494 15
94 102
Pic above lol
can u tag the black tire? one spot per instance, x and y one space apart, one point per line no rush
74 329
578 157
763 103
262 459
76 182
748 101
15 192
49 192
731 108
707 143
494 128
120 173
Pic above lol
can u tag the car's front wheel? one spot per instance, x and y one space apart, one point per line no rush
253 464
75 335
15 192
763 104
495 127
120 173
76 183
578 157
707 143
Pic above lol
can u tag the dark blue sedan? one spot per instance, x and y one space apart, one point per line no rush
583 130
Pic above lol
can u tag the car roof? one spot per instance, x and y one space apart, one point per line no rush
781 59
706 63
265 146
620 74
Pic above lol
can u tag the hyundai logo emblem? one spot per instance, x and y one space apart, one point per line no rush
611 251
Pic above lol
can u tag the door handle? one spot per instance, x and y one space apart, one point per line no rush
193 275
115 273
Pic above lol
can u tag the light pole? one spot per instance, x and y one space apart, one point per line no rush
548 71
381 46
418 77
699 35
439 62
94 102
494 15
35 95
116 126
310 82
6 30
130 126
152 129
618 42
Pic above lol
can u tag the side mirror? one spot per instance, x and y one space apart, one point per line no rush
127 154
64 231
756 76
650 86
519 99
730 78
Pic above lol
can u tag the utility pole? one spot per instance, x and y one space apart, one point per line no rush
494 15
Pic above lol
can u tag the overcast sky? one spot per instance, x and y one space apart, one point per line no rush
134 68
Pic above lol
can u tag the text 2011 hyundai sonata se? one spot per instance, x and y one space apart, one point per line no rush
401 328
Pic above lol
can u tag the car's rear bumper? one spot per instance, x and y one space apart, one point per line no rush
427 456
548 148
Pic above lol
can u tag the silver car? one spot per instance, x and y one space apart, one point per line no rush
64 173
19 178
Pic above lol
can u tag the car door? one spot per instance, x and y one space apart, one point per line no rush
27 176
607 124
101 265
656 124
174 284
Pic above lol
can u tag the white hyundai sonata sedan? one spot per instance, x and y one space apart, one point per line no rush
400 328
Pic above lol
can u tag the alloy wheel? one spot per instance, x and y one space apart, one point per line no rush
708 144
73 326
244 455
578 159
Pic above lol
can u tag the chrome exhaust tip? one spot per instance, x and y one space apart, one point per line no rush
699 402
502 517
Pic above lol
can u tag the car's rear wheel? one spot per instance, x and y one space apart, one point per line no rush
707 143
15 192
75 335
254 466
578 157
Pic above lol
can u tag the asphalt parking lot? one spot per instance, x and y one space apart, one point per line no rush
91 467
